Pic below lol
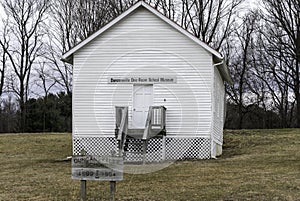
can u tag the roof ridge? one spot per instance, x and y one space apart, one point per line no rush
67 56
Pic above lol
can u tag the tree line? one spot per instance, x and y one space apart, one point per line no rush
261 47
51 113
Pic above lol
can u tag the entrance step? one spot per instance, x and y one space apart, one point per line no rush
135 133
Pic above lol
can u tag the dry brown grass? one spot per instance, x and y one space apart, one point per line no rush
256 165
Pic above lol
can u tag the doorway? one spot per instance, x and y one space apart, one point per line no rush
142 99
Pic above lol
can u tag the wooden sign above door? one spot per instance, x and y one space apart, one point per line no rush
143 80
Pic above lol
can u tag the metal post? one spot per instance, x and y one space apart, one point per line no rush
83 182
82 190
164 148
112 190
144 151
120 146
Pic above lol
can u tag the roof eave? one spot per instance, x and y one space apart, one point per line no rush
223 69
182 30
68 60
68 56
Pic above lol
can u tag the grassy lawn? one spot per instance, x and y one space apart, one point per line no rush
255 165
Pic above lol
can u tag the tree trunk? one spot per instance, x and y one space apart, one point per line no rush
22 110
297 93
241 117
297 77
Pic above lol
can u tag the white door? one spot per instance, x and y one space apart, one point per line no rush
142 99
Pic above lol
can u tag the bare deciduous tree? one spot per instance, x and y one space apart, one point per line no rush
283 19
89 16
75 20
25 18
44 79
62 37
240 64
272 69
169 8
210 21
4 42
2 72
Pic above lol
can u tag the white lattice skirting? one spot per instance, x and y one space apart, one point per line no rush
157 149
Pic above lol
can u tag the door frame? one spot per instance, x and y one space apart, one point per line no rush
133 101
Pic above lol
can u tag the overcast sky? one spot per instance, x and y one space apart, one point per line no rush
248 4
252 3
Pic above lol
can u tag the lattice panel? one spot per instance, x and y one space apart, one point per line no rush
134 150
154 150
101 146
187 148
176 148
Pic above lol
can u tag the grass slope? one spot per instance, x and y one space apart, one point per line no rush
255 165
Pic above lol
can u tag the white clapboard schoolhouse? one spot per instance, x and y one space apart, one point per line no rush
147 88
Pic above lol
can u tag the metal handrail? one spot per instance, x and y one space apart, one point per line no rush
148 124
121 126
156 118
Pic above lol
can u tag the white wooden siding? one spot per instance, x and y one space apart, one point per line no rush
141 45
218 107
